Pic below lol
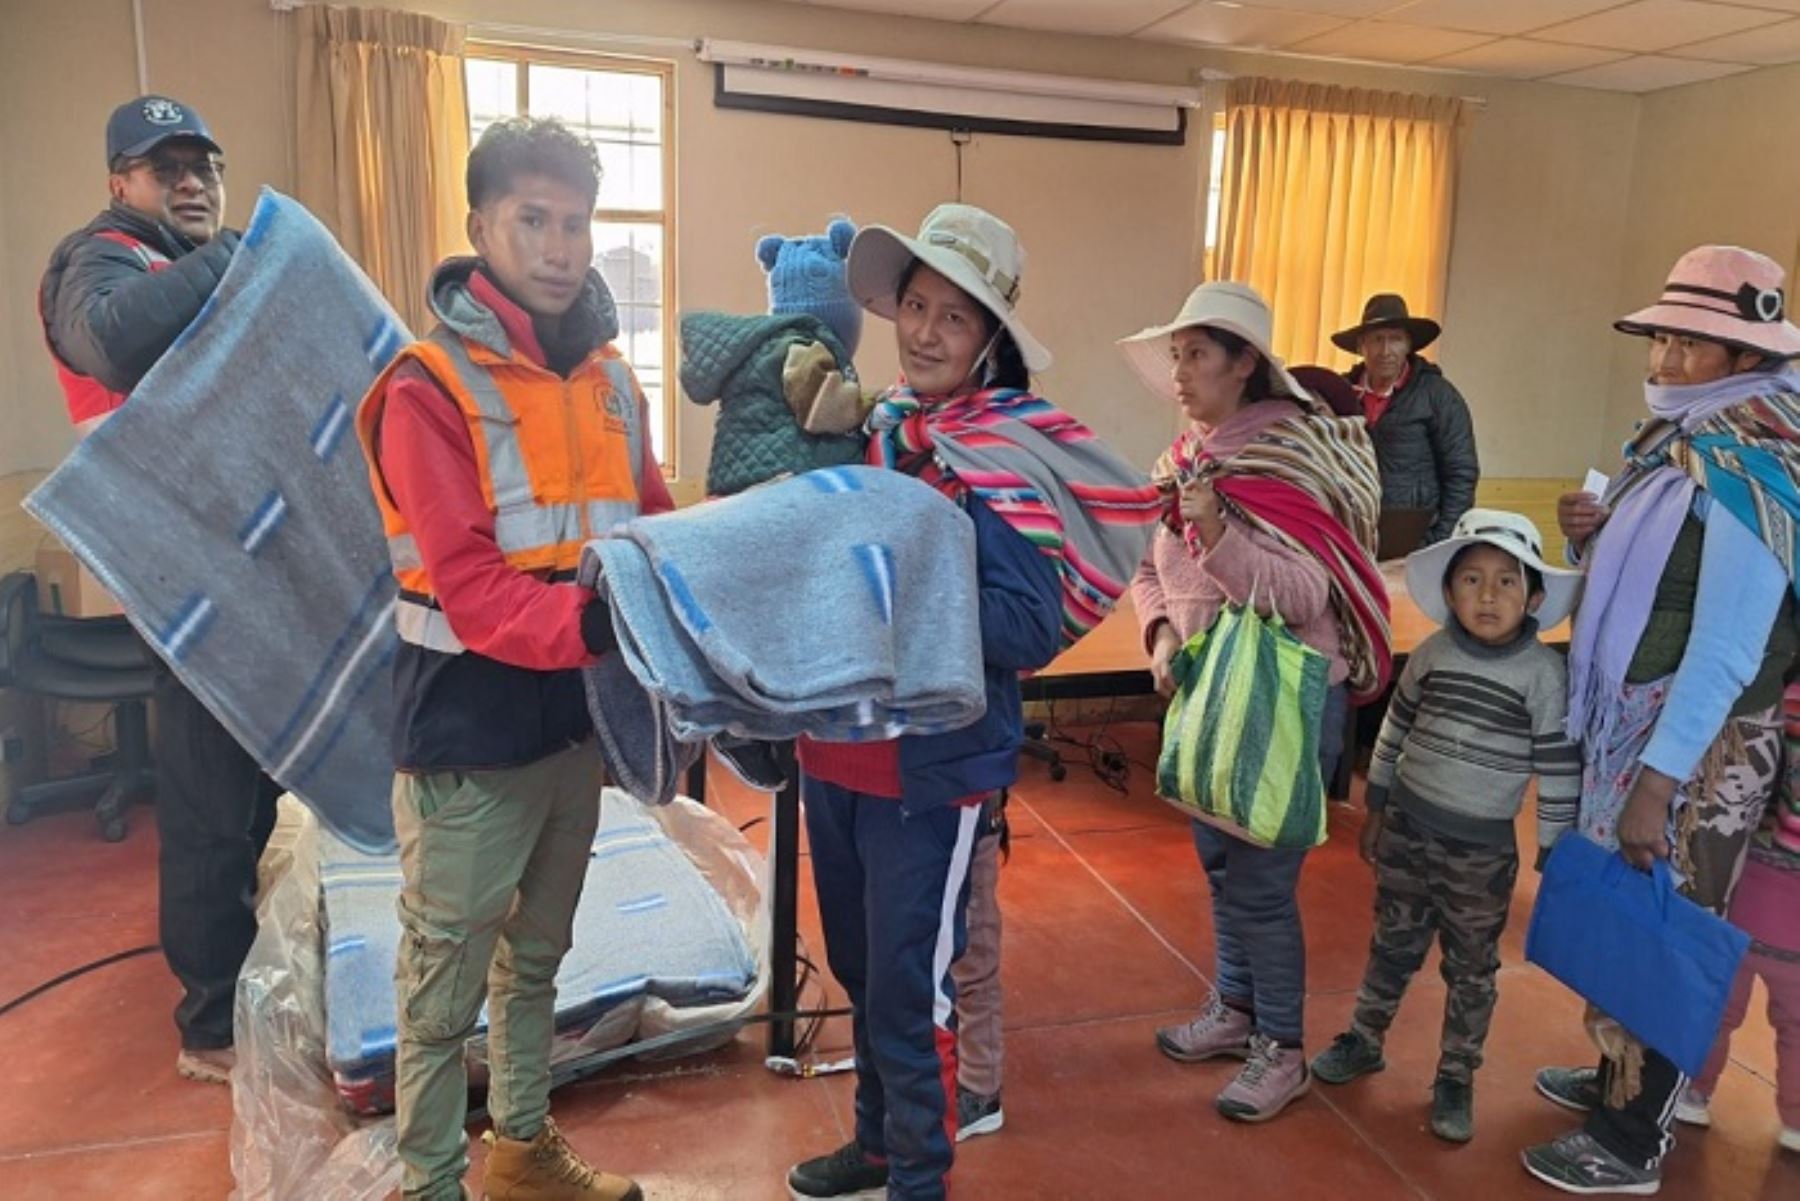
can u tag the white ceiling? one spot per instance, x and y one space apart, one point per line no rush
1624 45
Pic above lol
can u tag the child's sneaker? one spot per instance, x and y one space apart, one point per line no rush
1350 1055
1274 1076
1692 1107
845 1173
1789 1139
1575 1163
1219 1030
1572 1088
1452 1109
976 1114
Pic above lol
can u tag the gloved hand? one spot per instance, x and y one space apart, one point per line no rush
597 628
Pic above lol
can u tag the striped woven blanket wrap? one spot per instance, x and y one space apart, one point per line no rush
1326 503
1041 471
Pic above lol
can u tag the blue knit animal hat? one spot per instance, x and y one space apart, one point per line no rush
806 275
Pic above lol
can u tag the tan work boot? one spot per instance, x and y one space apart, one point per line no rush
208 1067
547 1169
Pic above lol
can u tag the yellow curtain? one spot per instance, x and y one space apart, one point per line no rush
382 130
1331 194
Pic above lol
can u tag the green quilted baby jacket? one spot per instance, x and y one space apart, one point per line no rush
737 361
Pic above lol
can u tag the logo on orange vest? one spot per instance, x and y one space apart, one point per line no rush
158 111
616 413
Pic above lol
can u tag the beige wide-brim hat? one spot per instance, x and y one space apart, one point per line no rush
1233 307
968 246
1517 536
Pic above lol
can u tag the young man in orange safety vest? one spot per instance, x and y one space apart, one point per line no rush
498 445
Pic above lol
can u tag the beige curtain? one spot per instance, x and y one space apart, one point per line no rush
1331 194
382 129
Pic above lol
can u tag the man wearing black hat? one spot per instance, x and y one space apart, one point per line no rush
1424 438
116 295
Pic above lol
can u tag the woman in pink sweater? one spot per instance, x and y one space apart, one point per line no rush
1273 505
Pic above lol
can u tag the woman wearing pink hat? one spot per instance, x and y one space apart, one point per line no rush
1684 638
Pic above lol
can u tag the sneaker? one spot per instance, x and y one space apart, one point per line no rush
546 1168
846 1172
211 1066
1575 1163
1219 1030
1274 1076
1572 1088
753 762
1789 1139
1349 1056
1452 1109
1693 1107
976 1114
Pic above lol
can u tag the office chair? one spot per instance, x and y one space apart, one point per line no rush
96 660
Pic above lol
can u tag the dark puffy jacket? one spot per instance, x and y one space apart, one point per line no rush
1425 447
106 314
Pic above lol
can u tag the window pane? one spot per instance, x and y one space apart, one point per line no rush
629 257
493 92
621 113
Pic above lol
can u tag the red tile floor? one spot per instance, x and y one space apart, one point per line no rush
1107 936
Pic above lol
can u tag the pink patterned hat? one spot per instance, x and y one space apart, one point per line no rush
1725 294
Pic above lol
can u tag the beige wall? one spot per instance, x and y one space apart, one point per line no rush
1535 265
1713 166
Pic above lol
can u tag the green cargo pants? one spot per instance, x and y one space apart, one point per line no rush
492 864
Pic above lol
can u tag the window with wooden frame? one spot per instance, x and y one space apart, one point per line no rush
626 107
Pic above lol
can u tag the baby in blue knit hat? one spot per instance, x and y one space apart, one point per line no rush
806 275
789 400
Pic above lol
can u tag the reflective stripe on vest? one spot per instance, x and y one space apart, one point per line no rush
87 398
426 626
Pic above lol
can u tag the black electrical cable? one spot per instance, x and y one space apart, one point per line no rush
76 973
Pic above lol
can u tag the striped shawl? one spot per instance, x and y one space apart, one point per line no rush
1311 483
1042 472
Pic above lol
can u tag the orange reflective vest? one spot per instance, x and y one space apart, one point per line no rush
559 461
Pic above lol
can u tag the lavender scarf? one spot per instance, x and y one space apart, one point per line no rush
1650 500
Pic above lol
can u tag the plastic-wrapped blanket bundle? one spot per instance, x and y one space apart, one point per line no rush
668 938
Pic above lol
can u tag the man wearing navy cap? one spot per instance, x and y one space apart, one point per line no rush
116 295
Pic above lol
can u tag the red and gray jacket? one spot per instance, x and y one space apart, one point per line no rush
116 295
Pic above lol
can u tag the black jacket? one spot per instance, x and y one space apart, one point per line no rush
106 314
1425 447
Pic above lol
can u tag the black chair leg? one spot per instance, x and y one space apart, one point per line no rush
1037 746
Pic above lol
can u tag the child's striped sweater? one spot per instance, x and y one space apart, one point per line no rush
1468 727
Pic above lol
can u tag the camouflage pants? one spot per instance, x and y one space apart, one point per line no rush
1427 887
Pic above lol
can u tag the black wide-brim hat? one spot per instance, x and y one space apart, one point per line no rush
1387 310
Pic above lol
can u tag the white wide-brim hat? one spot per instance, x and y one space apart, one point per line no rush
968 246
1509 532
1233 307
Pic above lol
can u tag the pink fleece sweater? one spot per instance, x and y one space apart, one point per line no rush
1184 589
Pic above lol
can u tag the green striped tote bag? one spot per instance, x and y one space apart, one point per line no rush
1241 738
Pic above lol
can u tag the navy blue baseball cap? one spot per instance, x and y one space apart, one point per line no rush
140 126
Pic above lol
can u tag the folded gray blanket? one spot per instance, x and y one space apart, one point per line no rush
841 604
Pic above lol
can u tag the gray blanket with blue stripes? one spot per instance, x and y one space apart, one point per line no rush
227 507
841 603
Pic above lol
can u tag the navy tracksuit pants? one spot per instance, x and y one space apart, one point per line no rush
892 891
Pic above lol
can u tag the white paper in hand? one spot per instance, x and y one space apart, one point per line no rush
1595 482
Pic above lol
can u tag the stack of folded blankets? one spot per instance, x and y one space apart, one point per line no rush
648 926
841 604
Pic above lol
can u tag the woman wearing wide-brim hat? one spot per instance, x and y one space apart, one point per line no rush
894 826
1273 504
1682 644
1424 436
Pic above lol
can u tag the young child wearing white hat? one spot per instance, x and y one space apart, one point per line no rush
1478 711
